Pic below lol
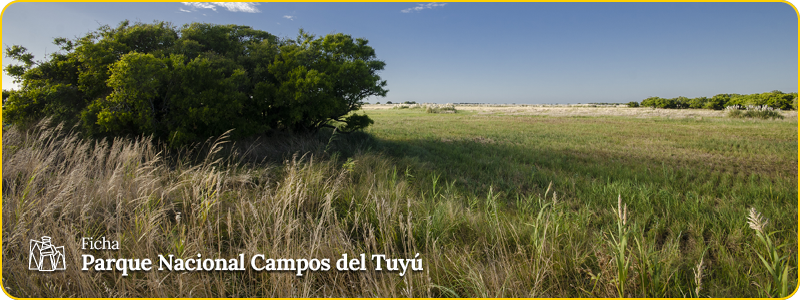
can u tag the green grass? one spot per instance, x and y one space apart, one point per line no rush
496 205
684 180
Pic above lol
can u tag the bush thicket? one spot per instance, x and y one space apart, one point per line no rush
774 99
185 84
751 111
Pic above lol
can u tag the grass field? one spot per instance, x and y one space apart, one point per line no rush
499 202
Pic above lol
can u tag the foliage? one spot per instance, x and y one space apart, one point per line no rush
777 265
440 108
775 99
633 104
200 80
751 111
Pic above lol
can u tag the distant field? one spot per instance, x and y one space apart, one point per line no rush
498 201
584 110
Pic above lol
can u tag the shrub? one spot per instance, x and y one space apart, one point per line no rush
698 102
775 99
735 113
751 111
633 104
200 80
440 109
717 102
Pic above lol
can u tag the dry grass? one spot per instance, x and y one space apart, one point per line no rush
213 203
588 111
59 185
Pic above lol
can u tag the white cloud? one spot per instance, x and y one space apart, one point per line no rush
421 7
183 10
248 7
202 5
289 17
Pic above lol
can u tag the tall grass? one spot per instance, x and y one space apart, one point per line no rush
619 247
753 111
777 266
322 196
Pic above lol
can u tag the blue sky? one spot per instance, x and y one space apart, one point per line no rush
497 52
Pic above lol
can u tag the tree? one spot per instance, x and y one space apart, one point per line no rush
186 84
698 102
649 102
681 102
774 99
320 80
717 102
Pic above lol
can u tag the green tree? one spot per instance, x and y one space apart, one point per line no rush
681 102
186 84
319 81
666 103
698 102
717 102
650 102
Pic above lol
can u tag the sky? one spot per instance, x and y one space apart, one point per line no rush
455 52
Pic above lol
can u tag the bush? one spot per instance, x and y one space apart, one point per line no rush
698 102
763 114
773 99
440 109
650 102
200 80
751 111
735 113
717 102
633 104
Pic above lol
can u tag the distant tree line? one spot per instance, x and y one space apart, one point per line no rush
187 83
774 99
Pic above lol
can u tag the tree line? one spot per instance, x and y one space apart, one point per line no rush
187 83
775 99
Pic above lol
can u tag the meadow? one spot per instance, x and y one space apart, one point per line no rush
498 202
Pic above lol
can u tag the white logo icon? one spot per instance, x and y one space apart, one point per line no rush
43 256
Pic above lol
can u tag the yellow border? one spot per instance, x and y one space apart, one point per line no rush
635 1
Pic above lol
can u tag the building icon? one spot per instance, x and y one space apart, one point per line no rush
43 256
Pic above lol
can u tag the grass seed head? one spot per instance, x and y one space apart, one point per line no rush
756 221
698 277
